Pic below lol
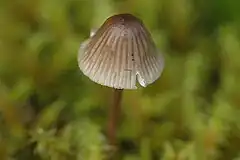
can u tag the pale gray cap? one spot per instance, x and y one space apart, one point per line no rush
120 53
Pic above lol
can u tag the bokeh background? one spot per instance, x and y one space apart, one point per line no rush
50 111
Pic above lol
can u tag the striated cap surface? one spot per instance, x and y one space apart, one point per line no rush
120 53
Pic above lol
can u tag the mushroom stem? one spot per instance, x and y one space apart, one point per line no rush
114 114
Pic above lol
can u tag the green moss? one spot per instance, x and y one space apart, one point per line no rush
50 110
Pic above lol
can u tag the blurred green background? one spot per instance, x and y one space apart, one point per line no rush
50 111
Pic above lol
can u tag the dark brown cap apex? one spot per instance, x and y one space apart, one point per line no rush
120 52
123 19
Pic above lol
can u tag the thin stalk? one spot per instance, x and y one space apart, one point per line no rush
113 119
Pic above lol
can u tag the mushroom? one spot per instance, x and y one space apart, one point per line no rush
119 54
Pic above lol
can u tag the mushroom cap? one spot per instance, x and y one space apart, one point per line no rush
120 53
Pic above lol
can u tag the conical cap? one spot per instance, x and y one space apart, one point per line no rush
121 52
